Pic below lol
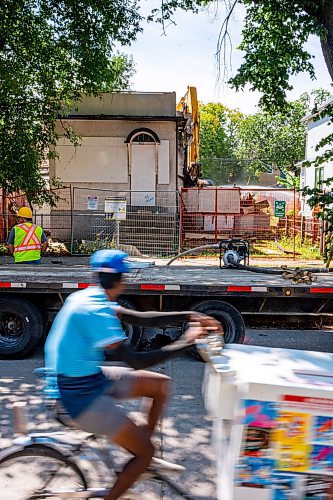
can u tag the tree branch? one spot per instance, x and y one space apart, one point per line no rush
224 36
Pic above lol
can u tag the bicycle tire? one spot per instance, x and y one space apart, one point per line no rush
21 478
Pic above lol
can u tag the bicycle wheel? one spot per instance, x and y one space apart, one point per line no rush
34 471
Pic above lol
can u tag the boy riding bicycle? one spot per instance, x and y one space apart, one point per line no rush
88 324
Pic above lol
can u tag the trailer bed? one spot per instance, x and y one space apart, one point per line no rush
31 296
173 280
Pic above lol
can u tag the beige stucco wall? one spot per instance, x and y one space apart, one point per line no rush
128 103
122 128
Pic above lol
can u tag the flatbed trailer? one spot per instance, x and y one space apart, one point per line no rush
31 296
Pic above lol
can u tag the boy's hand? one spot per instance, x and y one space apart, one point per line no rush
207 322
195 331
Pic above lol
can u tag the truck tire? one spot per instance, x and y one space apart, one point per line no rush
21 328
230 318
134 333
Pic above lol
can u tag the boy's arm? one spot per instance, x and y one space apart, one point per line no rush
123 351
150 319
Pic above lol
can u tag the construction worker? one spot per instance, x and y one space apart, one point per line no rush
26 241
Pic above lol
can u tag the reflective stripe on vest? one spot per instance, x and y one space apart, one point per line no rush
30 234
27 247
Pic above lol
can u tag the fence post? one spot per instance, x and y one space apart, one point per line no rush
302 229
294 229
215 215
3 213
72 204
322 235
180 235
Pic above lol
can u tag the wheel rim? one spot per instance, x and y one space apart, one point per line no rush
11 329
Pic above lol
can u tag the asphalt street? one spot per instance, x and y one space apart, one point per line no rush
184 435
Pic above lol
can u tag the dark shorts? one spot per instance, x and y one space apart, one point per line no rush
103 416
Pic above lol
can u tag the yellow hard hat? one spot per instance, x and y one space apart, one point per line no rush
25 212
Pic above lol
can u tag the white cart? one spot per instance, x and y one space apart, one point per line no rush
273 422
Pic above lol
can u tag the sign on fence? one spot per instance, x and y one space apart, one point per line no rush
92 202
115 208
280 208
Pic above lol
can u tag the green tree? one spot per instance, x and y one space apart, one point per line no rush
274 139
273 40
321 197
320 96
51 52
218 139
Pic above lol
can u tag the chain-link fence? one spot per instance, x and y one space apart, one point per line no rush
9 206
162 222
56 220
267 218
151 226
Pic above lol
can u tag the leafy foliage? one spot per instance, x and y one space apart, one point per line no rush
218 143
288 180
324 148
274 139
321 200
273 43
273 40
234 146
50 53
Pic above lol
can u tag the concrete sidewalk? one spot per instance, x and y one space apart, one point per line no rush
184 434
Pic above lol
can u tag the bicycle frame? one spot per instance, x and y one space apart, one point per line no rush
76 450
67 451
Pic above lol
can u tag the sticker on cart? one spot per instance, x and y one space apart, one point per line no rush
293 427
254 472
323 429
321 458
260 414
318 487
259 421
285 486
256 442
292 436
293 458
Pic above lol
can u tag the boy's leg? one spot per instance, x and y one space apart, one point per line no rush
137 442
141 384
104 417
156 387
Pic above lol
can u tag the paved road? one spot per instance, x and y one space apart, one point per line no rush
186 434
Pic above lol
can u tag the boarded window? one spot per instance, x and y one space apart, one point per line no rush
97 159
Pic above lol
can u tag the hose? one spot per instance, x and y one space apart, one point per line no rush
288 252
253 269
193 250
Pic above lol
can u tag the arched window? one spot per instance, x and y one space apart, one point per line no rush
143 136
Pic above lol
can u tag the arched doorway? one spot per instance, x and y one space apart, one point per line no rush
143 166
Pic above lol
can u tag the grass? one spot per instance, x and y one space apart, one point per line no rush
267 248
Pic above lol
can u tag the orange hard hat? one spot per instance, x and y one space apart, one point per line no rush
25 212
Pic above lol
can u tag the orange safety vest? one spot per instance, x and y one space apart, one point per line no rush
27 242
